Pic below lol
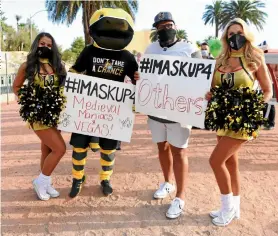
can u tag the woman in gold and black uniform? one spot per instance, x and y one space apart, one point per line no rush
240 64
44 68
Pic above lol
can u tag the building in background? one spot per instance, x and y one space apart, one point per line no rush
140 41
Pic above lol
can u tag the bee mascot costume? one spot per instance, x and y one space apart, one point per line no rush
111 30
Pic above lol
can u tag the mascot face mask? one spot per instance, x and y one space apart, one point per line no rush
111 28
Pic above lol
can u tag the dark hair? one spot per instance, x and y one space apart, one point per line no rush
33 62
204 44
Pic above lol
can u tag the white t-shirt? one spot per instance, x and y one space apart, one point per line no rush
178 49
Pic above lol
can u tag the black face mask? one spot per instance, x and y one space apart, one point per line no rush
237 41
166 34
44 52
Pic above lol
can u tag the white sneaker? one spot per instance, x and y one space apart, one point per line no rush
216 213
40 189
224 218
175 209
164 190
52 191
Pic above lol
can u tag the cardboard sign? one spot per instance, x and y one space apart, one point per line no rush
174 88
98 107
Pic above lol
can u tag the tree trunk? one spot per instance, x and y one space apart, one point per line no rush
87 13
216 29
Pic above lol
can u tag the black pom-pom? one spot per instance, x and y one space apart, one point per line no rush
41 104
239 110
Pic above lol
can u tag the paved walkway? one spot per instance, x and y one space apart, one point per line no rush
131 209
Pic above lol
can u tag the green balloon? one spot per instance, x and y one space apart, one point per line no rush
215 47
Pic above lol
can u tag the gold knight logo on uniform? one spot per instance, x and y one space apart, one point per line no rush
48 80
228 80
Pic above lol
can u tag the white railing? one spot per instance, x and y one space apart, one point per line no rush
6 83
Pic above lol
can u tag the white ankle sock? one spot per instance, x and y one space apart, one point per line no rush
227 201
44 178
236 200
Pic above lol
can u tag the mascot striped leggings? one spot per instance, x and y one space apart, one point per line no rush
82 143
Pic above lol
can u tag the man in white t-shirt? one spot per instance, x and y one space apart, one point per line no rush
171 137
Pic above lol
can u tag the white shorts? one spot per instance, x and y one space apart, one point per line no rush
173 133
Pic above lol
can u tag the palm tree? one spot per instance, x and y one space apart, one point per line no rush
209 38
18 18
249 11
213 15
181 34
66 11
22 26
154 36
198 42
134 52
2 17
3 26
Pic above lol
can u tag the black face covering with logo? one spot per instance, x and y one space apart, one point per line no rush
44 52
166 35
237 41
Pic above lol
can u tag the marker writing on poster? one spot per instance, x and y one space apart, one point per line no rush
158 95
93 128
125 123
175 68
102 91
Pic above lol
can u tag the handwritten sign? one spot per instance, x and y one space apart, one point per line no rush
98 107
174 88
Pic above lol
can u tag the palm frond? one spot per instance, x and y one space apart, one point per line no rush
62 11
249 11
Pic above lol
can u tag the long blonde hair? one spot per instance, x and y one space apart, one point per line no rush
253 55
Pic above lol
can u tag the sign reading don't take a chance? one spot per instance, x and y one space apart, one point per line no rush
98 107
174 88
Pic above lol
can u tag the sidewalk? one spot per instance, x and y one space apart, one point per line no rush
7 98
131 209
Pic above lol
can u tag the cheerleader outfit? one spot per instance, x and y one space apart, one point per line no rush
241 77
43 80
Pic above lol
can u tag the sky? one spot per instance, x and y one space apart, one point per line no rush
186 13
